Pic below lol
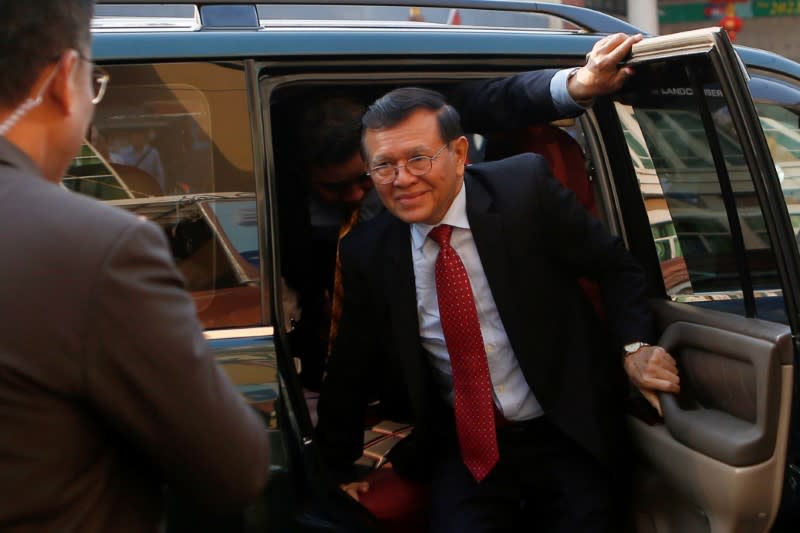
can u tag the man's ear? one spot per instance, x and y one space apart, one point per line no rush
460 149
65 90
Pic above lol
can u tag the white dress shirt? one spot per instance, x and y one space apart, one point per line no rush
512 395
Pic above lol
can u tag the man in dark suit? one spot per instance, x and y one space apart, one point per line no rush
463 313
108 390
331 169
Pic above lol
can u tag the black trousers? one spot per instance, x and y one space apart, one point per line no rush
544 481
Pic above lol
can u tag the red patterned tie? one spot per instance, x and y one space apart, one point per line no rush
472 386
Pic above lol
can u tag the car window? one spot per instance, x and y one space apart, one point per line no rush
778 106
704 215
172 143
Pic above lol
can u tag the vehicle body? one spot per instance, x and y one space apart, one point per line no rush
695 164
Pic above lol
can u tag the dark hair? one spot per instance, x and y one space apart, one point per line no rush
329 130
397 105
32 35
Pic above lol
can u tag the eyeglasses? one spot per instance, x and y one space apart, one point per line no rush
416 166
99 80
99 84
338 187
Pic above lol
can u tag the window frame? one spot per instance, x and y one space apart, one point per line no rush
625 198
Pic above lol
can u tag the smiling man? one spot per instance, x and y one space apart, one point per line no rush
462 303
332 169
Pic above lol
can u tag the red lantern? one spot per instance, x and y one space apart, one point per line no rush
732 24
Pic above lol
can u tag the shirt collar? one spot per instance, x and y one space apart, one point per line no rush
456 216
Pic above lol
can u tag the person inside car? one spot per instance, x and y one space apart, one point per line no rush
329 171
462 302
108 389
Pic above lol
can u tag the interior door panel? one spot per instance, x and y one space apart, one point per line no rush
727 408
718 459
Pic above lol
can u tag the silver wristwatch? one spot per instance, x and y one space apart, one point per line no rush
633 347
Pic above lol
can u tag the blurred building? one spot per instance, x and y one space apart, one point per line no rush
768 24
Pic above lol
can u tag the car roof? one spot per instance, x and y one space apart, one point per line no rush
226 29
755 57
313 41
230 29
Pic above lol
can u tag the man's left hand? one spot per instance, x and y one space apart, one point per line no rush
653 370
601 74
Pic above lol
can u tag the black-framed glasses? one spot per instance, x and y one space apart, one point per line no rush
99 79
416 166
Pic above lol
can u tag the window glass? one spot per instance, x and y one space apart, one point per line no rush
778 106
697 234
172 143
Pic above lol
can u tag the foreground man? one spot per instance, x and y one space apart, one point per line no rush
462 307
108 390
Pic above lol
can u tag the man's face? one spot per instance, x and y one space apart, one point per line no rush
138 139
344 184
411 198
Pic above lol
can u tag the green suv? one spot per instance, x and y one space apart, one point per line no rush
695 163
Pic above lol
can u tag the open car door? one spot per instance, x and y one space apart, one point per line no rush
695 192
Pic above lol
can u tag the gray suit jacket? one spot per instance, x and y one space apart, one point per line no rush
108 389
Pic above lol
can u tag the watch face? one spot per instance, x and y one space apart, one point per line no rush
634 346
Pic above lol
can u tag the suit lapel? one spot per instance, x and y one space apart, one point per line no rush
402 297
490 240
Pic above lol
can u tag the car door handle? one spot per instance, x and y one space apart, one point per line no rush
702 425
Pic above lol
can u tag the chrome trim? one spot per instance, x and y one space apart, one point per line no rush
121 23
723 296
588 19
239 333
235 259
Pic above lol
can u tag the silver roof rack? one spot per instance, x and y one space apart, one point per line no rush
233 14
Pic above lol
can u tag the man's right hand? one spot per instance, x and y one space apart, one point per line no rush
652 369
355 488
601 74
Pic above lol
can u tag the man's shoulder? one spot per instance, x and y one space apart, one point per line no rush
84 210
526 163
369 238
516 175
373 230
71 216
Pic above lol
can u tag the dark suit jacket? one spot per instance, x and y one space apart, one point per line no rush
535 241
308 254
108 389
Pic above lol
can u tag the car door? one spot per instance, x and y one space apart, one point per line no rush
172 142
151 150
688 180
